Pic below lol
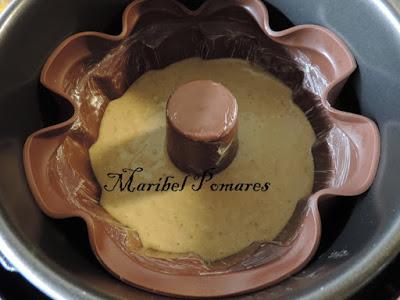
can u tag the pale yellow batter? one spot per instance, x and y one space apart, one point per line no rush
275 141
3 4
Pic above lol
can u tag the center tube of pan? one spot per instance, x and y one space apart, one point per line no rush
202 126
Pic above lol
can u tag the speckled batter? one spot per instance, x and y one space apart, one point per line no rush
275 140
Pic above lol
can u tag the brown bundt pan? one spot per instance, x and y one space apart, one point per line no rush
90 69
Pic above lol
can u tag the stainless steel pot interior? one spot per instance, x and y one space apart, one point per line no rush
55 254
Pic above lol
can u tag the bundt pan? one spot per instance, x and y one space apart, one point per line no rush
55 255
90 69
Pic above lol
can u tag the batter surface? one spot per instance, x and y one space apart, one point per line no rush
275 140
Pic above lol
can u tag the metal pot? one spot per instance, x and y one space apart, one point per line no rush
360 234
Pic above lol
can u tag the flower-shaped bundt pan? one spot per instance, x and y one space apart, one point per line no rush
90 69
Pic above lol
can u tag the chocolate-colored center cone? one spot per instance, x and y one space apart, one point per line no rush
202 127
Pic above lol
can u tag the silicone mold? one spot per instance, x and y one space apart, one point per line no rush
90 69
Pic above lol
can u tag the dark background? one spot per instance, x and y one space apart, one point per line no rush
386 286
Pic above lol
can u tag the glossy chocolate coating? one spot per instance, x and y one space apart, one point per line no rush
202 127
